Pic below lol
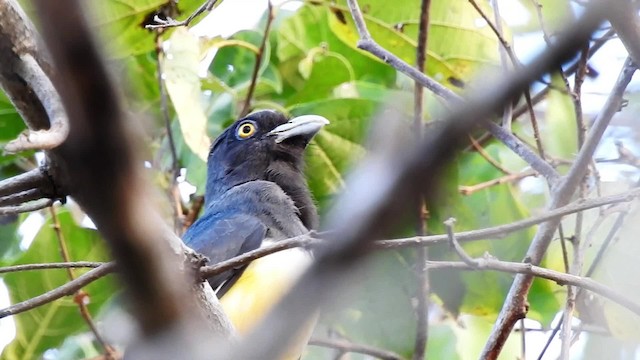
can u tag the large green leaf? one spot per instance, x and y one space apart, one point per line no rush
458 46
337 145
47 326
308 32
183 86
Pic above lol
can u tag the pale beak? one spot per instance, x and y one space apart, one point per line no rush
305 126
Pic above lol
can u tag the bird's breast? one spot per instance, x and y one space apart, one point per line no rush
261 285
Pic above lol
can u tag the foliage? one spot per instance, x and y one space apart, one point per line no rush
311 64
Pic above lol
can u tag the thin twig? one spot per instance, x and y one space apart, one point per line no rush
67 289
22 197
517 146
26 207
48 266
478 147
468 190
175 166
161 23
489 263
594 265
349 347
256 67
81 298
422 255
453 243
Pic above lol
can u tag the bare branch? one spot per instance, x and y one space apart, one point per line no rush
422 255
33 179
514 304
520 148
367 43
468 190
489 263
65 290
347 346
256 67
21 197
626 23
501 231
26 207
207 5
48 266
453 243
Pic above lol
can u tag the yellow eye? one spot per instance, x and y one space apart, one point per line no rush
246 130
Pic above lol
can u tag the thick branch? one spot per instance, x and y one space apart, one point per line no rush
33 74
17 39
33 179
99 168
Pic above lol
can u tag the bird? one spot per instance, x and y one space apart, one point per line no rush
256 194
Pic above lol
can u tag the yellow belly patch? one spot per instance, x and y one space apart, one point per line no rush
261 286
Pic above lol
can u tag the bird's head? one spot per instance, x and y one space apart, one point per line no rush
264 145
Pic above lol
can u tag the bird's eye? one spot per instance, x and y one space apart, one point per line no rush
246 130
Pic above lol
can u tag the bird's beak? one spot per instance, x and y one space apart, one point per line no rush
305 126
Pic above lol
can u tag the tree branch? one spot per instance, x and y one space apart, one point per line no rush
514 307
26 207
207 5
65 290
367 43
48 266
489 263
99 168
347 346
256 67
33 179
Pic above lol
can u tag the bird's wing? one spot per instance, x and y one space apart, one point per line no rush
222 236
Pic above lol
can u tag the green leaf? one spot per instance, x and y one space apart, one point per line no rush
47 326
10 244
326 72
458 48
183 85
234 64
307 31
11 123
338 145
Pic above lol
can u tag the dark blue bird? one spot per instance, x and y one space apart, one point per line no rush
256 193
